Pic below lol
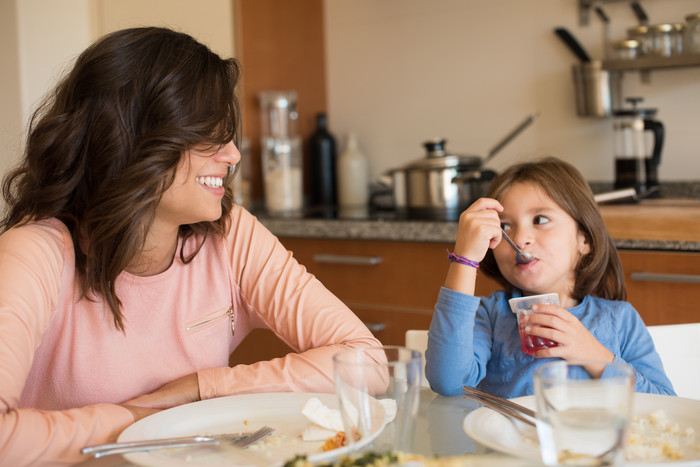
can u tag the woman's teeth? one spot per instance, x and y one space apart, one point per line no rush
211 182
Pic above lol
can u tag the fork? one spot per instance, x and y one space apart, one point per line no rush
501 405
239 440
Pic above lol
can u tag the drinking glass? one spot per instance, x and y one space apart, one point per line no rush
582 419
378 390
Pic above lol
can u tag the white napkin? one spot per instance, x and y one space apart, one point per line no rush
326 422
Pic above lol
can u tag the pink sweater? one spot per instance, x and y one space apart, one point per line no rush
64 366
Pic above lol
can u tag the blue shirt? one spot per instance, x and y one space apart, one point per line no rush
474 341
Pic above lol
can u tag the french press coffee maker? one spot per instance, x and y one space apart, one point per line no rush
636 158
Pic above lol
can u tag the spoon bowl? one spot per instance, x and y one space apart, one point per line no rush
521 256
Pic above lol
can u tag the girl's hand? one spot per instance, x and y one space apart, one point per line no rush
479 229
180 391
575 342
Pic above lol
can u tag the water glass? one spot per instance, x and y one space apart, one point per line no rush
378 390
582 419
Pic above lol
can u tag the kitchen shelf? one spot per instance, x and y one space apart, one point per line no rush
654 63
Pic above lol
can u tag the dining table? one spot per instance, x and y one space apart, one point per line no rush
438 433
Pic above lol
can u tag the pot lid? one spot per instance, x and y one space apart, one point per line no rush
437 158
444 162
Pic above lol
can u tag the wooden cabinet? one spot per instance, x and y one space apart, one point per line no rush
392 286
663 286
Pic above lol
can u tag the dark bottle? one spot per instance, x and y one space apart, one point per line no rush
322 154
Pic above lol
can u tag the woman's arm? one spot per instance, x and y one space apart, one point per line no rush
295 306
31 262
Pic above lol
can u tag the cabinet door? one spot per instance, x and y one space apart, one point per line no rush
663 286
403 275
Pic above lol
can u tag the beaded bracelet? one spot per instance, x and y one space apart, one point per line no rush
455 258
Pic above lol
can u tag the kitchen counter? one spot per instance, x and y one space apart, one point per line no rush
663 224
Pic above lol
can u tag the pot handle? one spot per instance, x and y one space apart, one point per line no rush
509 137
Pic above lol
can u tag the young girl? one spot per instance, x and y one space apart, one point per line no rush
127 275
548 210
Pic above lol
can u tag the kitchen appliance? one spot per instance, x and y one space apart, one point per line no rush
598 90
281 154
441 185
636 160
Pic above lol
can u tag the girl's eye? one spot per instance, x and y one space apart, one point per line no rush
541 220
505 226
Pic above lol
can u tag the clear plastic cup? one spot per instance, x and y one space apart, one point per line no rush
523 306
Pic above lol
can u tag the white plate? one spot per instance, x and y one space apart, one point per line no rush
495 431
248 412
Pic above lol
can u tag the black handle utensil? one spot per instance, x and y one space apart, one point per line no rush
572 44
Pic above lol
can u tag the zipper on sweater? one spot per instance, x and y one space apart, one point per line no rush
206 322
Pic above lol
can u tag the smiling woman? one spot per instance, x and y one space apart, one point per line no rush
127 274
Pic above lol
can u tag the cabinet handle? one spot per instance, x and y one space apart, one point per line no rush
345 259
663 277
375 327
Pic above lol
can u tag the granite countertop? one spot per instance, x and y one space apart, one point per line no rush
669 225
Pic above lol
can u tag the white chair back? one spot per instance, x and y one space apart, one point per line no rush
417 339
678 346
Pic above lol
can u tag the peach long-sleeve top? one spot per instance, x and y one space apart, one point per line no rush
64 366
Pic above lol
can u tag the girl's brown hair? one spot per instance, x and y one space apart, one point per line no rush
598 273
104 146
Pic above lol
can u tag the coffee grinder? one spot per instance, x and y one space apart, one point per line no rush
636 160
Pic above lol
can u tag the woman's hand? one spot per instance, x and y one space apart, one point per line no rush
180 391
140 412
575 342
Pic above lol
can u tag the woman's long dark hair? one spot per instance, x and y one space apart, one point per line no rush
599 272
103 147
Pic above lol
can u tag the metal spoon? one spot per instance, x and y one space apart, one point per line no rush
521 256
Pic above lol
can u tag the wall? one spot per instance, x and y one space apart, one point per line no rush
402 71
10 101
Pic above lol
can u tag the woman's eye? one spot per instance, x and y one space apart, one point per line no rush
541 220
505 226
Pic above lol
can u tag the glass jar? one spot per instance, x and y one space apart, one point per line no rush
624 50
692 33
641 35
282 166
666 39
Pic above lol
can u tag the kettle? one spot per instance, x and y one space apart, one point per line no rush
637 161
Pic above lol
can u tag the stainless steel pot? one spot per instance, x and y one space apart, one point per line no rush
425 188
441 185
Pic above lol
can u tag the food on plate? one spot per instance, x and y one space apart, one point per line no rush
368 459
387 459
654 437
334 442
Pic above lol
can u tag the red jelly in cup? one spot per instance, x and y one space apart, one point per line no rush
523 306
531 344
